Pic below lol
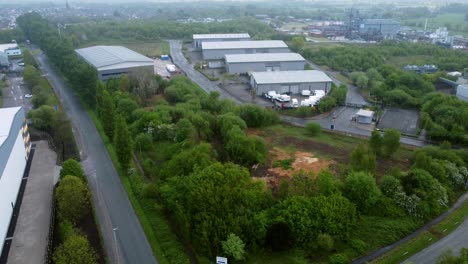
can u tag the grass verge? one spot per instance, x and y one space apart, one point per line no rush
426 238
163 241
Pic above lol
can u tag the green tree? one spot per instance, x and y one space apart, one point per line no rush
234 247
42 118
29 59
31 76
361 189
123 143
362 160
313 129
376 142
297 43
108 114
391 142
326 183
75 250
73 198
71 167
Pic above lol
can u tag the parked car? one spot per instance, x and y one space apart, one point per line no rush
28 96
305 93
284 98
272 95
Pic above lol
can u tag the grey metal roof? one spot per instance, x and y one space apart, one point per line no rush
380 21
263 57
221 36
113 57
279 77
4 47
251 44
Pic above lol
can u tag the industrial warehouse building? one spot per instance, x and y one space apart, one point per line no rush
113 61
198 39
293 82
14 151
260 62
4 62
10 49
387 28
217 50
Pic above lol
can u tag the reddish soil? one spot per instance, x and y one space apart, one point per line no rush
304 161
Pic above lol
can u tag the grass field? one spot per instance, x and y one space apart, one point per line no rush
455 21
150 48
426 238
293 26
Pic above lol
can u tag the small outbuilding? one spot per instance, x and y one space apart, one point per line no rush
217 50
198 39
113 61
10 49
364 116
243 63
292 82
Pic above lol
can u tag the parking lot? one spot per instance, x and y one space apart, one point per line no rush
404 120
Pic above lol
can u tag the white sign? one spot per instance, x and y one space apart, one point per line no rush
221 260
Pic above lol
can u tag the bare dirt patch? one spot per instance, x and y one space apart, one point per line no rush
293 161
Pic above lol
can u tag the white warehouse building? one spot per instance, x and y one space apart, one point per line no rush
243 63
293 82
217 50
14 152
113 61
10 49
198 39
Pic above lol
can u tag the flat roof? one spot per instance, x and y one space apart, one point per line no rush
278 77
113 57
263 57
7 115
4 47
221 36
366 113
251 44
380 21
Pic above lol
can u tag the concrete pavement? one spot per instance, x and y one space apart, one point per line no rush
110 199
32 228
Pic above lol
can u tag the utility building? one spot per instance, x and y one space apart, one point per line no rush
386 28
10 49
364 116
217 50
260 62
293 82
113 61
198 39
14 152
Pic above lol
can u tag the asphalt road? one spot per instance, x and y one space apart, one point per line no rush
345 127
114 210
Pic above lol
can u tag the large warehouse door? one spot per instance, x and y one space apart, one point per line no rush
295 89
284 89
269 69
276 68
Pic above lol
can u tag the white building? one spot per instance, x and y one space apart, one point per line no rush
14 152
242 63
293 82
462 92
113 61
217 50
198 39
11 49
364 116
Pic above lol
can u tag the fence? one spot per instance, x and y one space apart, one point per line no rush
50 236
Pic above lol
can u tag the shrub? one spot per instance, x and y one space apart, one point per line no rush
71 167
143 141
65 230
313 129
358 245
150 191
72 198
75 250
325 242
338 259
234 247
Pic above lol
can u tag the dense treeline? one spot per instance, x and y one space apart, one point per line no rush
445 117
8 35
163 29
60 50
361 58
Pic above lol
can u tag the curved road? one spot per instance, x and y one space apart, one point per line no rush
127 243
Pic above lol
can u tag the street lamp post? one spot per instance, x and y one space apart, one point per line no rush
115 242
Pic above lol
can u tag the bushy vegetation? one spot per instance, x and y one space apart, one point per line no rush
75 241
